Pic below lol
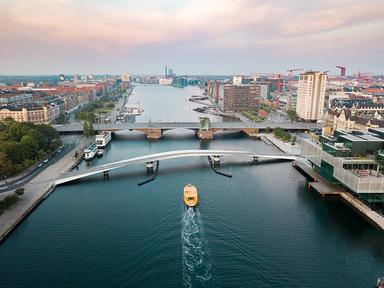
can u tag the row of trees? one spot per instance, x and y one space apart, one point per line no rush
9 200
88 129
87 112
22 144
281 134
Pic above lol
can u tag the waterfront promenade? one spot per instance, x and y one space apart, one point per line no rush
286 147
34 192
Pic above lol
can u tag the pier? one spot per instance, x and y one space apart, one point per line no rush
324 188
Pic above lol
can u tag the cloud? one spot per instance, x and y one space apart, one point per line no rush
334 16
126 27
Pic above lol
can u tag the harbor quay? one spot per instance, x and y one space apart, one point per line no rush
35 192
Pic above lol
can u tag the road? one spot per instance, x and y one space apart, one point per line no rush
69 143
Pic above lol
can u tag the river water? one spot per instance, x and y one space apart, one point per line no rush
260 228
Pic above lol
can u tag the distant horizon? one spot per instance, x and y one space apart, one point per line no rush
271 74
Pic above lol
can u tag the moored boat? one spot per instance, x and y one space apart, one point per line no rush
100 153
103 138
90 151
190 195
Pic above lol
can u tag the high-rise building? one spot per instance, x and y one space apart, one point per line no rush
126 78
311 95
264 90
237 80
239 98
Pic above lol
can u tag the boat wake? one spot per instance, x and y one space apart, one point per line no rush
197 267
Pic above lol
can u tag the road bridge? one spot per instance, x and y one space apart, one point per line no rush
149 159
155 130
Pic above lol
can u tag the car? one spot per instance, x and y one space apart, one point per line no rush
45 160
40 164
59 151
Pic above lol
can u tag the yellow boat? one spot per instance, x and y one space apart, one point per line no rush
190 195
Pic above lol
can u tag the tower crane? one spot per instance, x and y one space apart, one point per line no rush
342 74
362 77
289 96
278 90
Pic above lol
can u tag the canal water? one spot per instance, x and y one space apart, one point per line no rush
260 228
167 104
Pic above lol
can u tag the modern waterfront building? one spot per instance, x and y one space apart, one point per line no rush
239 98
354 160
311 95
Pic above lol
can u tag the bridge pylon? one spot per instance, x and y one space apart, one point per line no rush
205 131
149 167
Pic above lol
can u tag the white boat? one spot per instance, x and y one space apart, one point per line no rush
100 153
133 110
103 138
90 152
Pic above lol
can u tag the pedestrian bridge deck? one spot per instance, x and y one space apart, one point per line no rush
74 175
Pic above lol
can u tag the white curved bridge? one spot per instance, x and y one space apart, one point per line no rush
70 176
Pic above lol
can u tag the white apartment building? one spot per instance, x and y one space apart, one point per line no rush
311 95
237 80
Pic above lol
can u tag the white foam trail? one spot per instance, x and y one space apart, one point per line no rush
197 268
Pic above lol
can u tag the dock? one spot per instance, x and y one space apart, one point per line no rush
324 188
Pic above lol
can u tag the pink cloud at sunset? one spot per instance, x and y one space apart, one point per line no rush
128 33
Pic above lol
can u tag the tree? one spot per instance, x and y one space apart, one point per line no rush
22 143
88 129
292 115
10 200
91 130
60 119
19 191
85 128
5 165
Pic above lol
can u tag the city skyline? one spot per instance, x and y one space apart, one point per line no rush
193 37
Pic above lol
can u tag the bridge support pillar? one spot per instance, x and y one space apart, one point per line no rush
205 134
216 160
154 133
252 132
150 167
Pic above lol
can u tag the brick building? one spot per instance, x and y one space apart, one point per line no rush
239 98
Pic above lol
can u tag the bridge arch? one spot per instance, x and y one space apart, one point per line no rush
74 175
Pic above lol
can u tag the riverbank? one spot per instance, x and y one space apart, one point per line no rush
35 191
285 147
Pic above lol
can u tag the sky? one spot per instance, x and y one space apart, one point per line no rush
190 36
